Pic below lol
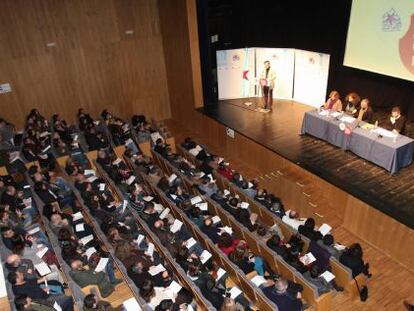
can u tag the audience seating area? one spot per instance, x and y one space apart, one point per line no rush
116 211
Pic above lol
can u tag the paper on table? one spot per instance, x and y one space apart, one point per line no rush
328 276
176 226
90 251
85 240
347 119
172 178
323 112
175 287
154 270
42 252
164 213
131 305
148 198
202 206
215 219
385 133
101 264
190 243
325 229
235 292
244 205
42 268
139 239
307 259
196 200
220 273
77 216
101 187
150 249
205 256
57 307
130 180
335 114
258 280
34 230
89 172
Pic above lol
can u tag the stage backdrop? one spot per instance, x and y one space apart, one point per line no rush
238 72
282 61
235 73
311 77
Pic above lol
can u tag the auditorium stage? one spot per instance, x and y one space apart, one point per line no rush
279 132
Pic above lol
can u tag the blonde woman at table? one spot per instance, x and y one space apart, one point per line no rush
333 102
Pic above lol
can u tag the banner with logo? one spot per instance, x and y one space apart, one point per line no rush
311 77
235 73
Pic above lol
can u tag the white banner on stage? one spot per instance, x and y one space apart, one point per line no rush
282 62
235 73
311 77
301 75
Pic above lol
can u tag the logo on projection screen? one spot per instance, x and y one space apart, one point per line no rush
407 48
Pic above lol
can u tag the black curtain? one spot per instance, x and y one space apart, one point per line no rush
319 25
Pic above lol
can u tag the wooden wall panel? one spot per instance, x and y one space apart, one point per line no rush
94 64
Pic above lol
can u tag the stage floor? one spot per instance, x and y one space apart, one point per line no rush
279 130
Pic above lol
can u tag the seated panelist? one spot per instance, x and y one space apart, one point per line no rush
364 112
333 103
396 122
352 103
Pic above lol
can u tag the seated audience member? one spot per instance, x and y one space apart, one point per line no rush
308 230
154 295
138 272
352 258
275 244
209 229
291 218
25 303
333 103
33 289
314 277
7 132
365 112
84 277
91 302
396 122
352 102
277 292
207 187
227 244
327 243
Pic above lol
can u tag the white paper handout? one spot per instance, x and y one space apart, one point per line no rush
205 256
150 250
215 219
220 273
85 240
139 239
226 192
42 268
155 136
57 307
90 251
244 205
258 280
202 206
101 187
172 178
101 264
148 198
325 229
33 231
339 247
190 243
175 287
89 172
164 213
307 259
196 200
91 179
130 180
42 252
347 119
176 226
117 161
235 292
154 270
328 276
77 216
131 305
80 227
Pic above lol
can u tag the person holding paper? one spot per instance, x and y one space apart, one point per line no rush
92 303
334 102
138 272
308 230
32 289
267 82
211 230
153 295
314 277
396 121
328 244
84 277
277 292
